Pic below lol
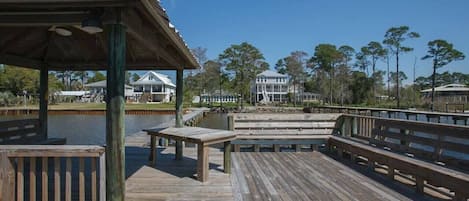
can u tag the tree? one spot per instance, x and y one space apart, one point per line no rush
98 76
442 53
394 38
374 51
82 75
197 82
343 70
360 87
294 66
135 77
325 58
396 79
244 61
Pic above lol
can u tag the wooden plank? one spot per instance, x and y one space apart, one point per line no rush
52 150
45 179
32 179
20 179
57 187
255 131
284 125
68 179
81 178
153 152
7 177
276 117
94 186
102 177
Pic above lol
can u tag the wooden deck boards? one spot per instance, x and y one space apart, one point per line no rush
255 176
174 180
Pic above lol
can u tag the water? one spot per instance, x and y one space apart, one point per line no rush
91 129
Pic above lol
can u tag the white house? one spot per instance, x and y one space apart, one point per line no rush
451 93
154 87
270 86
225 97
98 91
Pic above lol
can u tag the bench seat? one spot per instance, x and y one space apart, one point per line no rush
423 171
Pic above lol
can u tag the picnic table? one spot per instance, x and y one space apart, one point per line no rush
202 137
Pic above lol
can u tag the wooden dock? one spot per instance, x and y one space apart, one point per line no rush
255 176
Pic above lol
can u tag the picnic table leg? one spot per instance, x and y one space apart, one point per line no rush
179 150
227 157
152 157
202 162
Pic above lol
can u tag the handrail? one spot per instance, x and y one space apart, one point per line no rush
17 161
408 113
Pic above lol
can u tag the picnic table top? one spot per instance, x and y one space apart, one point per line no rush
194 134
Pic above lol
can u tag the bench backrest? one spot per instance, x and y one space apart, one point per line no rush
20 131
282 124
431 141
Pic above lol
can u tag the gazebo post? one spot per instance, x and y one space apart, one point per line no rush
115 103
179 120
43 99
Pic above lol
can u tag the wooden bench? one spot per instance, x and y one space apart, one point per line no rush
202 137
281 129
440 143
393 143
25 131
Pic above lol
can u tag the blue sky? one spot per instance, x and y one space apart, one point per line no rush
278 27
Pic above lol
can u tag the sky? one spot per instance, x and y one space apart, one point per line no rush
278 27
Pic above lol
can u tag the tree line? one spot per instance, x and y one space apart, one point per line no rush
341 74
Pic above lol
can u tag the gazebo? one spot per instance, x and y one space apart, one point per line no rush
110 35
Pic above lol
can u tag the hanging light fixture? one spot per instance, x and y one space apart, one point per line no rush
92 24
61 31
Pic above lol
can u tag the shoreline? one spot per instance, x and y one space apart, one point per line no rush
13 112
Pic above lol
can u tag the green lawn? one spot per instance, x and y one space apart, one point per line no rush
100 106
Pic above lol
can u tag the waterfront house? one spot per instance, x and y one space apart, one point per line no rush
98 91
154 87
451 93
270 86
225 97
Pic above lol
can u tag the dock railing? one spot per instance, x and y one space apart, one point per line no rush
52 172
424 116
436 142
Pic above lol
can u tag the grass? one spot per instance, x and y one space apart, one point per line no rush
100 106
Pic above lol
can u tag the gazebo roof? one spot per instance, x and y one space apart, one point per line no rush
27 38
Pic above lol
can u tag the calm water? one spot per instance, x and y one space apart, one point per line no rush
91 129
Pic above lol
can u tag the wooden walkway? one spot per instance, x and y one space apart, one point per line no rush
255 176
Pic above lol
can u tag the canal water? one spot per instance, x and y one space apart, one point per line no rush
91 129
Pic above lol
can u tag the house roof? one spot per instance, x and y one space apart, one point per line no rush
158 78
102 84
270 73
28 39
448 88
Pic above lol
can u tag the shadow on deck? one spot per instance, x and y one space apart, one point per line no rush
255 176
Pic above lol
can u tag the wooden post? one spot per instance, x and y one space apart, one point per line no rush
7 178
115 131
179 98
202 162
230 122
227 157
43 100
